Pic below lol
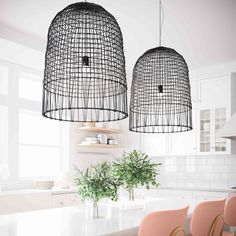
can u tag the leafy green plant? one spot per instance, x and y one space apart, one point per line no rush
97 182
136 169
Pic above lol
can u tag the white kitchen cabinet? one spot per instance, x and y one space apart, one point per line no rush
65 199
214 109
211 98
20 202
205 129
75 199
220 117
214 91
13 203
194 93
60 200
211 120
213 104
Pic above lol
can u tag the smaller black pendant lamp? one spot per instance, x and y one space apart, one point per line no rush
84 76
160 92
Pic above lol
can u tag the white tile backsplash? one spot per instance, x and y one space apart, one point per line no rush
212 172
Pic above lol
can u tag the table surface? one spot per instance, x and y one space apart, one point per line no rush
73 221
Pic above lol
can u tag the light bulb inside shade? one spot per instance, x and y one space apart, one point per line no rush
85 61
160 88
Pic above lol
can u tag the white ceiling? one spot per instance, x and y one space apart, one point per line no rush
203 31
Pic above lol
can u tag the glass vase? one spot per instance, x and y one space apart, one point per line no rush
131 194
130 199
98 210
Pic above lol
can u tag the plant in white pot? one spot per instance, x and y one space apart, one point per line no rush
97 183
136 169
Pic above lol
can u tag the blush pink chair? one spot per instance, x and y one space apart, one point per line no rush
164 223
230 214
208 219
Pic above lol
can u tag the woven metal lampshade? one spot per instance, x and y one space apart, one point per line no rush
160 93
84 78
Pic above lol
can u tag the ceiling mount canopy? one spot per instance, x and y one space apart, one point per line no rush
160 91
84 77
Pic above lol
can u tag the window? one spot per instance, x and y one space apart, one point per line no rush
30 86
35 129
3 135
39 153
37 147
3 80
39 161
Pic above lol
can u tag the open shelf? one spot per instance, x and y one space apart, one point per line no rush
100 130
100 145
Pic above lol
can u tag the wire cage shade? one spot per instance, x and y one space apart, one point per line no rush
160 93
84 77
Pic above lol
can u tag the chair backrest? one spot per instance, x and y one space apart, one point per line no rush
230 211
207 218
164 223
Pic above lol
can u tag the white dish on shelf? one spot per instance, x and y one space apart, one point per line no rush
112 141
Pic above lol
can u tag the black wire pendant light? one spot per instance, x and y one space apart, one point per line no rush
160 93
84 77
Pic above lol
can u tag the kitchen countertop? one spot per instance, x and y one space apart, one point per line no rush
71 221
197 189
34 190
74 190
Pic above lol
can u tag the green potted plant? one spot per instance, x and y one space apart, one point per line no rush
96 183
136 169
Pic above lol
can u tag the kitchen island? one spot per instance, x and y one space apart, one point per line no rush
73 221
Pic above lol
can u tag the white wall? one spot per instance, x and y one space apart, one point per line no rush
211 172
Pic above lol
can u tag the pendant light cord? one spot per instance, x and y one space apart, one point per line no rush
161 20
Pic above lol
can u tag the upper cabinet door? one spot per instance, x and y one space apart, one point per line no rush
194 93
210 123
213 110
213 92
205 128
219 144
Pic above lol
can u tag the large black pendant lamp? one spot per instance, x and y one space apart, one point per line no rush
160 93
84 77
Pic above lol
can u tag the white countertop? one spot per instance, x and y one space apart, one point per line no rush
74 190
197 189
34 190
72 221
